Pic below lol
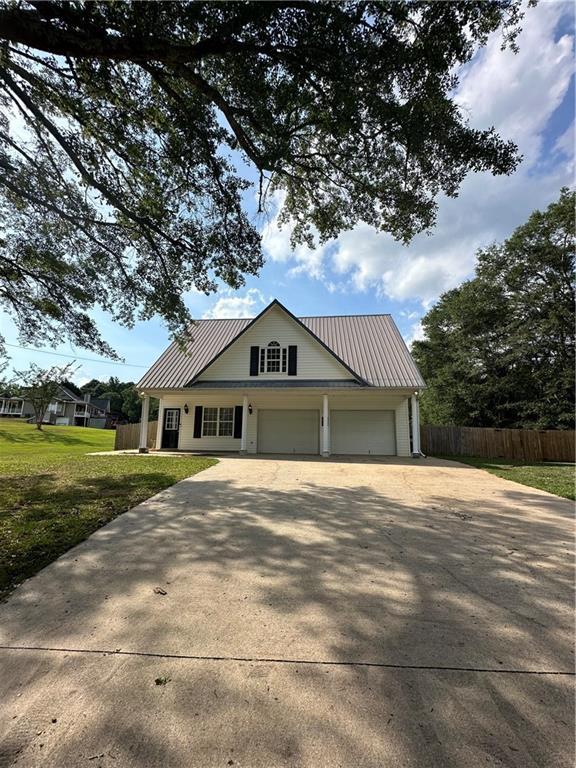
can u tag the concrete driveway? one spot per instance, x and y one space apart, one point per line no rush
318 613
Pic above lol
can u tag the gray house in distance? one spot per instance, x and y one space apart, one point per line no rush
67 409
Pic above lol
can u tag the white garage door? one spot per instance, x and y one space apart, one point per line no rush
288 431
363 432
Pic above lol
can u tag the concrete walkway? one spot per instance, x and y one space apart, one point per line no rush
317 613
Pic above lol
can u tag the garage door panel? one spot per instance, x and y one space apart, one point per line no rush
288 431
363 432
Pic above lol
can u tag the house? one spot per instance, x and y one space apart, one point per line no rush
67 409
282 384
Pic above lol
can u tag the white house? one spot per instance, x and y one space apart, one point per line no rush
282 384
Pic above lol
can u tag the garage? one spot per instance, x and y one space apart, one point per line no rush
363 432
288 431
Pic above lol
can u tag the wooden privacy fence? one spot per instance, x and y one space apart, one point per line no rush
520 444
128 436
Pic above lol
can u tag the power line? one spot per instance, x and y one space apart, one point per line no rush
76 357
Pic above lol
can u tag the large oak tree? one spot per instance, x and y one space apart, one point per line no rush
130 133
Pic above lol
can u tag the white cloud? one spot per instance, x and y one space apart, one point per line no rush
248 305
517 93
276 245
416 334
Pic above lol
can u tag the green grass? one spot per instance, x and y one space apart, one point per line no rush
554 478
52 495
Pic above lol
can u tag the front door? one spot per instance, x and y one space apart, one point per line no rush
171 428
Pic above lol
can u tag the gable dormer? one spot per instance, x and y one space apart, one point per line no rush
275 346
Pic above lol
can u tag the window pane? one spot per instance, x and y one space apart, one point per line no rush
284 360
273 360
172 417
262 360
226 423
210 422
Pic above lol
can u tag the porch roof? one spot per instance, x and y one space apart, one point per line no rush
276 384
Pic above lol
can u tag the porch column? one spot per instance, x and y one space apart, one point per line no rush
143 447
415 426
244 436
325 427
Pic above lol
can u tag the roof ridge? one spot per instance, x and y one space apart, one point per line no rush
300 317
361 314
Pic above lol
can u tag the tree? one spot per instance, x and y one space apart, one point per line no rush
138 127
40 386
499 350
115 399
131 405
93 387
72 387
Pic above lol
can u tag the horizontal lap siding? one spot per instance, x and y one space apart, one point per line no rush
402 429
314 362
187 441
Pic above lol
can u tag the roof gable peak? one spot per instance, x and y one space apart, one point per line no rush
272 305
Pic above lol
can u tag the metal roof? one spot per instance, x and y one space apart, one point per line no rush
369 345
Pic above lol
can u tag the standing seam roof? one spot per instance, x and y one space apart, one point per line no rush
371 345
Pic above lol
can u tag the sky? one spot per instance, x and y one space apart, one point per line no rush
528 97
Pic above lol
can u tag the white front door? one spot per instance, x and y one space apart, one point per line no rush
288 431
363 432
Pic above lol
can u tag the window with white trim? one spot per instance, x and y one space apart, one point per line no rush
273 358
218 422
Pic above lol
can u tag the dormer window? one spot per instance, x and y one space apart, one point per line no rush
273 358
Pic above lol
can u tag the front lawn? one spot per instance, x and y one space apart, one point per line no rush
554 478
52 496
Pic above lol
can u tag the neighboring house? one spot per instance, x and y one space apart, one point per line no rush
67 409
282 384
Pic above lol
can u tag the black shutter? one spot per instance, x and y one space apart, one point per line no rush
292 357
198 421
254 357
238 421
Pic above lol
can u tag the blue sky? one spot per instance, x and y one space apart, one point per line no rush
528 97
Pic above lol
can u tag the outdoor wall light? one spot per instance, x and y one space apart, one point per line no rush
250 408
186 409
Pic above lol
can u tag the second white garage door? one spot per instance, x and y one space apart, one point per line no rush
363 432
288 431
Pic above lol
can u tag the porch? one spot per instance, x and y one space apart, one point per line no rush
290 421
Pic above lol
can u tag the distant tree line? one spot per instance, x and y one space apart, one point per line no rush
498 350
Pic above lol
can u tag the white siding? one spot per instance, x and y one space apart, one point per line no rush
187 441
285 399
402 429
314 362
